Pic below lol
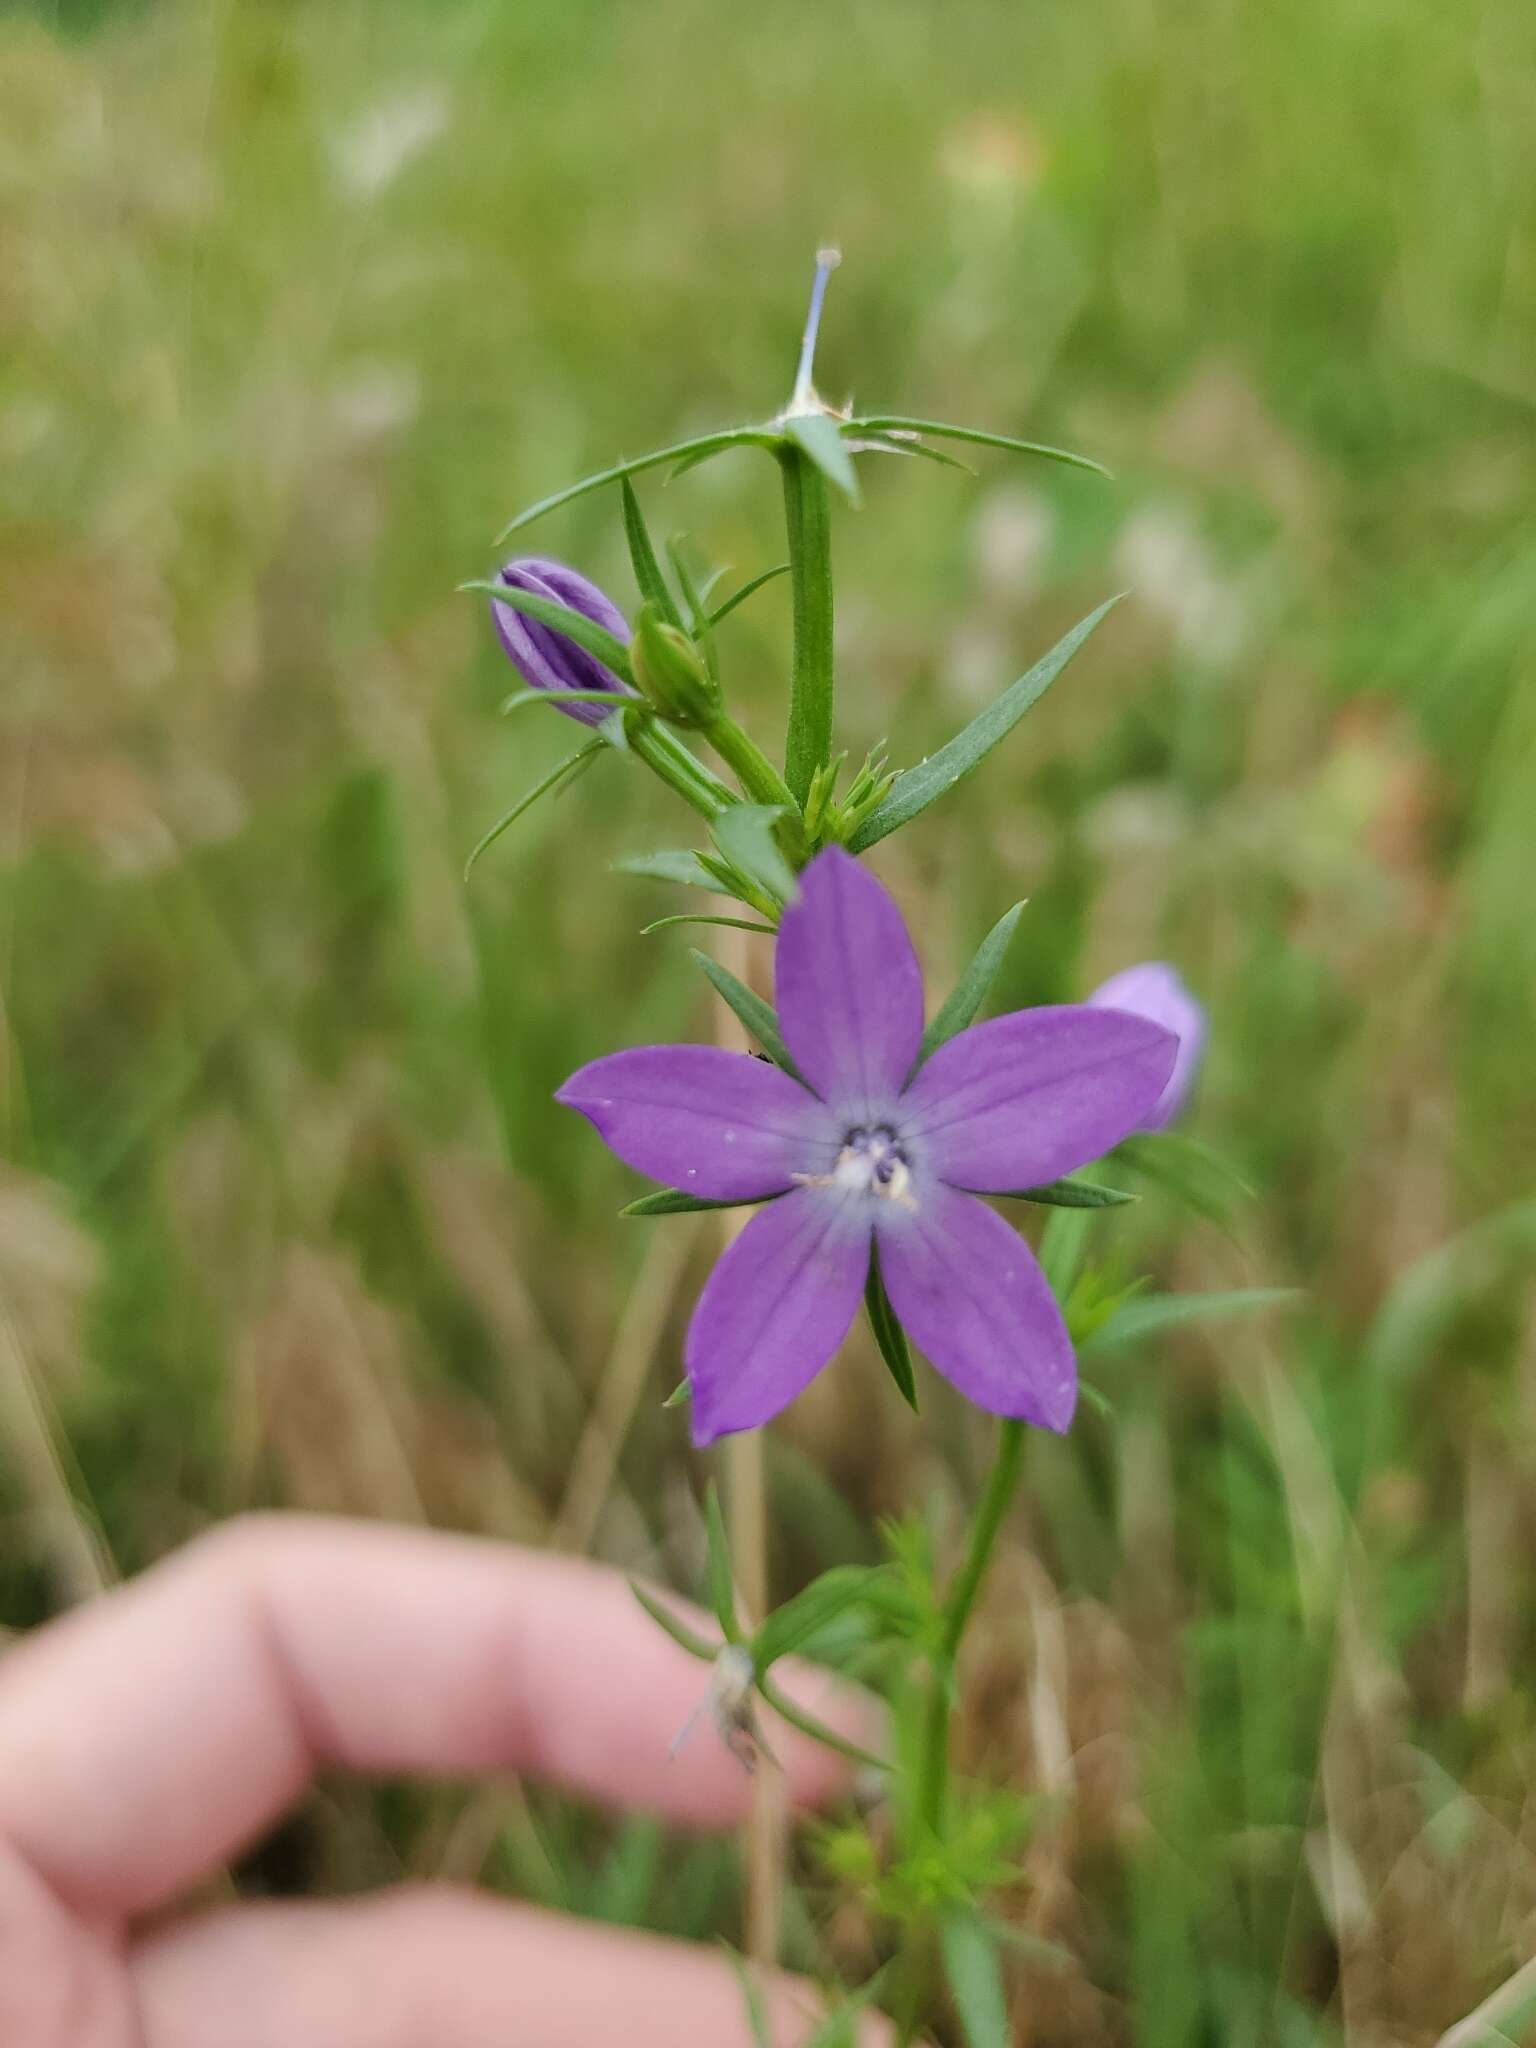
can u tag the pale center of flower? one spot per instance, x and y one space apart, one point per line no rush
873 1161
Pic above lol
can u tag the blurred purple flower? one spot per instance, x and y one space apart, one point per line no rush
545 658
1155 990
866 1151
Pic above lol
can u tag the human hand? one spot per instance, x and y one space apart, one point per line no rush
149 1737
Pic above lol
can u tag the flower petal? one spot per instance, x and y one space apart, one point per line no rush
717 1124
1023 1099
775 1309
1156 990
970 1295
848 986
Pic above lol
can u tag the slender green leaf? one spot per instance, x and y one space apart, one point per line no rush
887 423
749 1006
745 836
1151 1314
670 866
739 924
723 611
890 1337
1071 1194
673 1202
560 618
818 435
918 787
698 617
809 1611
680 1396
686 1638
686 453
722 1590
521 699
890 444
971 989
642 555
818 1731
568 769
975 1980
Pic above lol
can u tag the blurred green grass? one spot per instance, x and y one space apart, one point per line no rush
297 306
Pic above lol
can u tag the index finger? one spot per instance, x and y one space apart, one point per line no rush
147 1738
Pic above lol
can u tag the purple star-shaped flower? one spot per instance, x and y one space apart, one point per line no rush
869 1148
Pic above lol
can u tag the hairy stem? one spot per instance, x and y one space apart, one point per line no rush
748 763
807 521
681 770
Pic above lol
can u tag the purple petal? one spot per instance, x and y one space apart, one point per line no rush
775 1309
717 1124
1025 1098
1156 990
970 1295
546 659
848 986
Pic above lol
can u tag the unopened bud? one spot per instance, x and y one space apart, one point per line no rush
671 671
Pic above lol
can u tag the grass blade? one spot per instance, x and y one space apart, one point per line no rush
976 1981
1149 1315
722 1589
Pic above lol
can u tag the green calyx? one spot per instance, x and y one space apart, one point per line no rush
671 671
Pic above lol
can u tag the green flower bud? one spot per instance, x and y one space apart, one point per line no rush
671 671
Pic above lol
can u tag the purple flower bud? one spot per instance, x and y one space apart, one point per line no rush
1154 990
546 659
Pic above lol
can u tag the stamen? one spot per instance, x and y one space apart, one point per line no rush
871 1161
804 399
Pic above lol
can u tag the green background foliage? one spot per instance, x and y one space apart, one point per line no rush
297 306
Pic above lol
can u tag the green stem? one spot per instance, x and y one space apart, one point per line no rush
748 763
681 770
807 521
933 1773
